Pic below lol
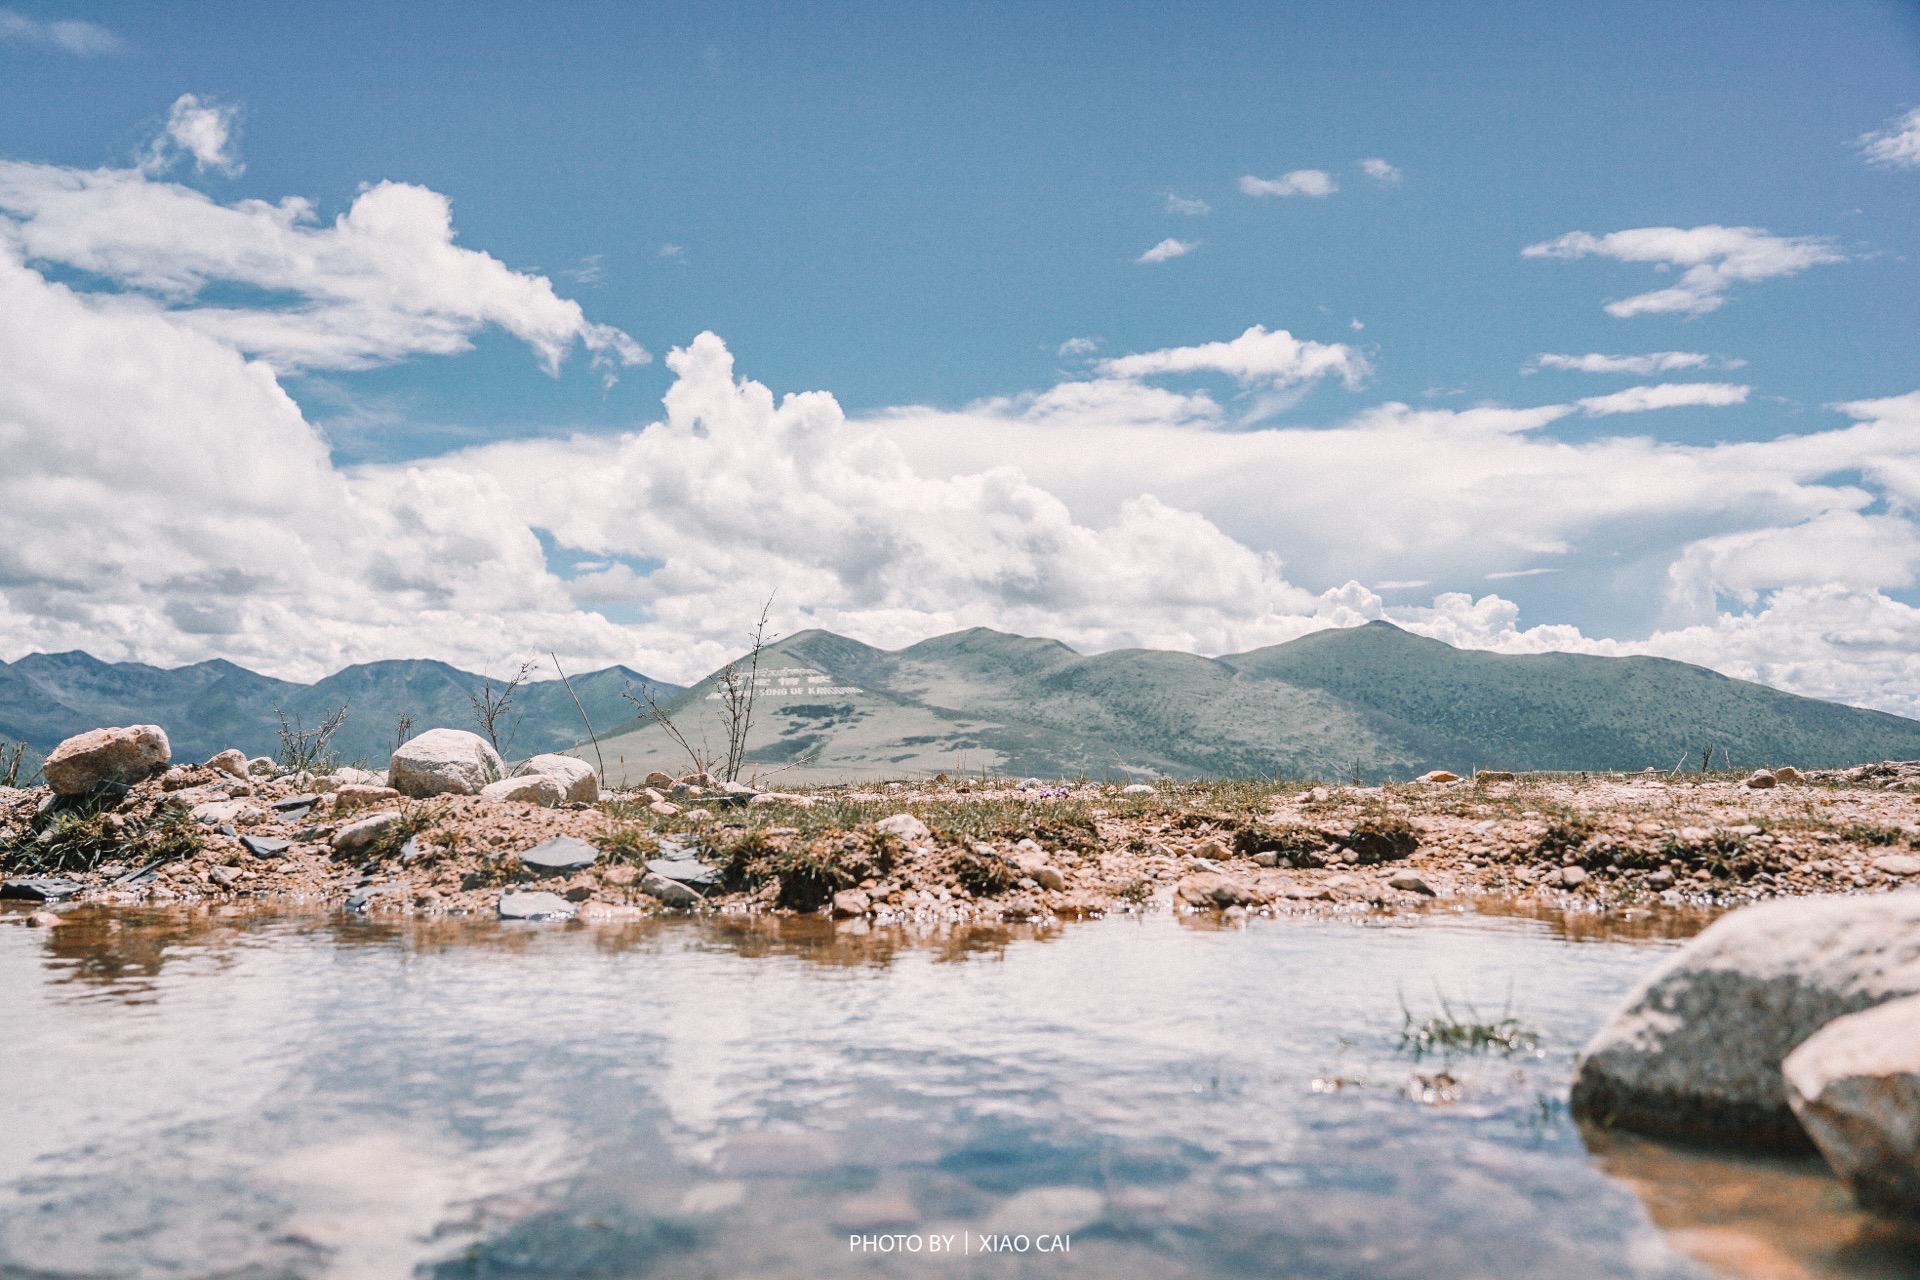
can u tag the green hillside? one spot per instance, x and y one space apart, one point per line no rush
213 705
1371 701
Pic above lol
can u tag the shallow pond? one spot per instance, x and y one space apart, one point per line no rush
251 1094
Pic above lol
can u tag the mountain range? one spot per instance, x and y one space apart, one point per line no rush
210 706
1370 702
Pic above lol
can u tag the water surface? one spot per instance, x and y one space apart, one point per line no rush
246 1094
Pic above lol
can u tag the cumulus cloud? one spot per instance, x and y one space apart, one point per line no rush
1651 363
383 281
86 39
165 499
1897 146
1300 182
1191 207
205 131
1713 259
1168 249
1665 395
1275 358
1380 170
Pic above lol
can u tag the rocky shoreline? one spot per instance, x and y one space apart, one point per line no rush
453 835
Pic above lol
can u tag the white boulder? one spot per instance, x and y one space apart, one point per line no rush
576 777
906 826
533 788
232 760
104 757
1695 1052
444 762
1855 1084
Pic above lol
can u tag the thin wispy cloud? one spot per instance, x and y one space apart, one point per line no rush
1079 347
1712 258
1639 365
83 39
590 270
1271 358
1380 170
1517 573
1300 182
1897 146
674 252
1665 395
1190 207
1168 249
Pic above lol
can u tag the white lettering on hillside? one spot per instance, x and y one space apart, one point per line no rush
793 682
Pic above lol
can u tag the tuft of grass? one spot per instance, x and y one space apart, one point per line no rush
1450 1033
84 838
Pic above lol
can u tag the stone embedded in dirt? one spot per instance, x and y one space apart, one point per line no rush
1493 775
524 905
1136 789
1695 1051
659 780
1760 780
1897 864
358 837
1209 890
578 782
227 813
1572 877
231 761
851 902
906 826
225 876
560 856
444 762
1407 882
663 808
671 892
263 766
1855 1084
286 807
39 889
265 846
684 870
1049 878
534 788
355 796
1786 773
106 757
1438 775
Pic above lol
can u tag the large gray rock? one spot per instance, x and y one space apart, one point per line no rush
444 762
560 856
577 780
107 757
359 837
1695 1052
1855 1084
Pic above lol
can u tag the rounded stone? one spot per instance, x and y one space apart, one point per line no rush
444 762
106 757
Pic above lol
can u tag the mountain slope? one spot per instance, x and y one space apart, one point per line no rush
1371 701
213 705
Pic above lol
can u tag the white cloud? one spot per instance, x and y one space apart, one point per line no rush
1380 170
1651 363
1274 359
1079 347
1666 395
385 280
68 35
1897 146
165 499
202 129
1168 249
674 252
1714 259
1191 207
1300 182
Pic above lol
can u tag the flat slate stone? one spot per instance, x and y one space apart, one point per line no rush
685 870
39 889
295 802
535 906
560 856
359 899
265 846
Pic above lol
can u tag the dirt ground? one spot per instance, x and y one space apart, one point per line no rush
996 850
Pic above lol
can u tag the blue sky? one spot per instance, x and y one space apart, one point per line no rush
932 212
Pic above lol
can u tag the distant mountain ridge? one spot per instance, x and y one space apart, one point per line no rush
210 706
1372 701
